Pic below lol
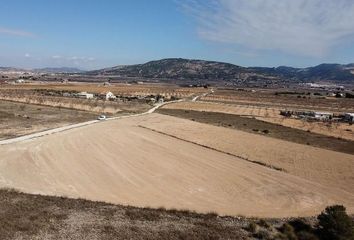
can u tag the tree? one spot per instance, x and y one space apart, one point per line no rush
335 224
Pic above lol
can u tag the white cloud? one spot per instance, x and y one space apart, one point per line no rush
56 57
301 27
16 32
27 55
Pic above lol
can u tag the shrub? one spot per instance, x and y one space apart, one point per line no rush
264 223
288 231
303 235
300 225
252 227
335 224
262 234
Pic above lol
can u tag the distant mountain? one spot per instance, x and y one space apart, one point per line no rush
58 70
12 69
177 69
185 69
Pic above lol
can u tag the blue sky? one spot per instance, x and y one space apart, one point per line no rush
93 34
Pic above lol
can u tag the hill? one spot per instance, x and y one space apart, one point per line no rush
58 70
186 69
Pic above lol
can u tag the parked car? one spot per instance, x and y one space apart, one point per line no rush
102 117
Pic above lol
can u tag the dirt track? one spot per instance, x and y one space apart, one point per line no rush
120 162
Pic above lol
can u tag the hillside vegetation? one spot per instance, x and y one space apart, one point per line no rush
25 216
178 68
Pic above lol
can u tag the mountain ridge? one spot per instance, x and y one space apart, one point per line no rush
193 69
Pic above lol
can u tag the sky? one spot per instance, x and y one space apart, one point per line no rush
92 34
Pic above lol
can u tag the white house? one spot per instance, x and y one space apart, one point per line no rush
110 96
19 81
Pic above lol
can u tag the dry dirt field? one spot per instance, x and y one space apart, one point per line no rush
264 128
270 114
328 168
117 89
269 98
33 96
17 119
161 161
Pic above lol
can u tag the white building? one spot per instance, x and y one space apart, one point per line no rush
19 81
323 115
349 117
110 96
85 95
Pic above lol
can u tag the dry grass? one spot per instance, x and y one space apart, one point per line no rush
117 89
269 98
18 119
24 216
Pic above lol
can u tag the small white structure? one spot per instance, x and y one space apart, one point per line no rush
85 95
110 96
323 115
349 117
19 81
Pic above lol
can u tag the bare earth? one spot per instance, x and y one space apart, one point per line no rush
124 162
17 119
272 115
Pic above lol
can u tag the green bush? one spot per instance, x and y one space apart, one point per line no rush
335 224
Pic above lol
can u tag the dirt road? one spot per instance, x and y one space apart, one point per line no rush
72 126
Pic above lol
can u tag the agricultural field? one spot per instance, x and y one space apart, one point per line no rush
256 126
17 119
161 161
204 157
166 90
270 114
282 98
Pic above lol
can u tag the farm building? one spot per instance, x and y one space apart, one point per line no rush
85 95
20 81
109 95
322 115
349 117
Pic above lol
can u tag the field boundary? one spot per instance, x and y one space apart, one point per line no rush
217 150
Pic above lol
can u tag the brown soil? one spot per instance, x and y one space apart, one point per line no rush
120 162
253 125
17 119
323 166
272 115
117 89
269 98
